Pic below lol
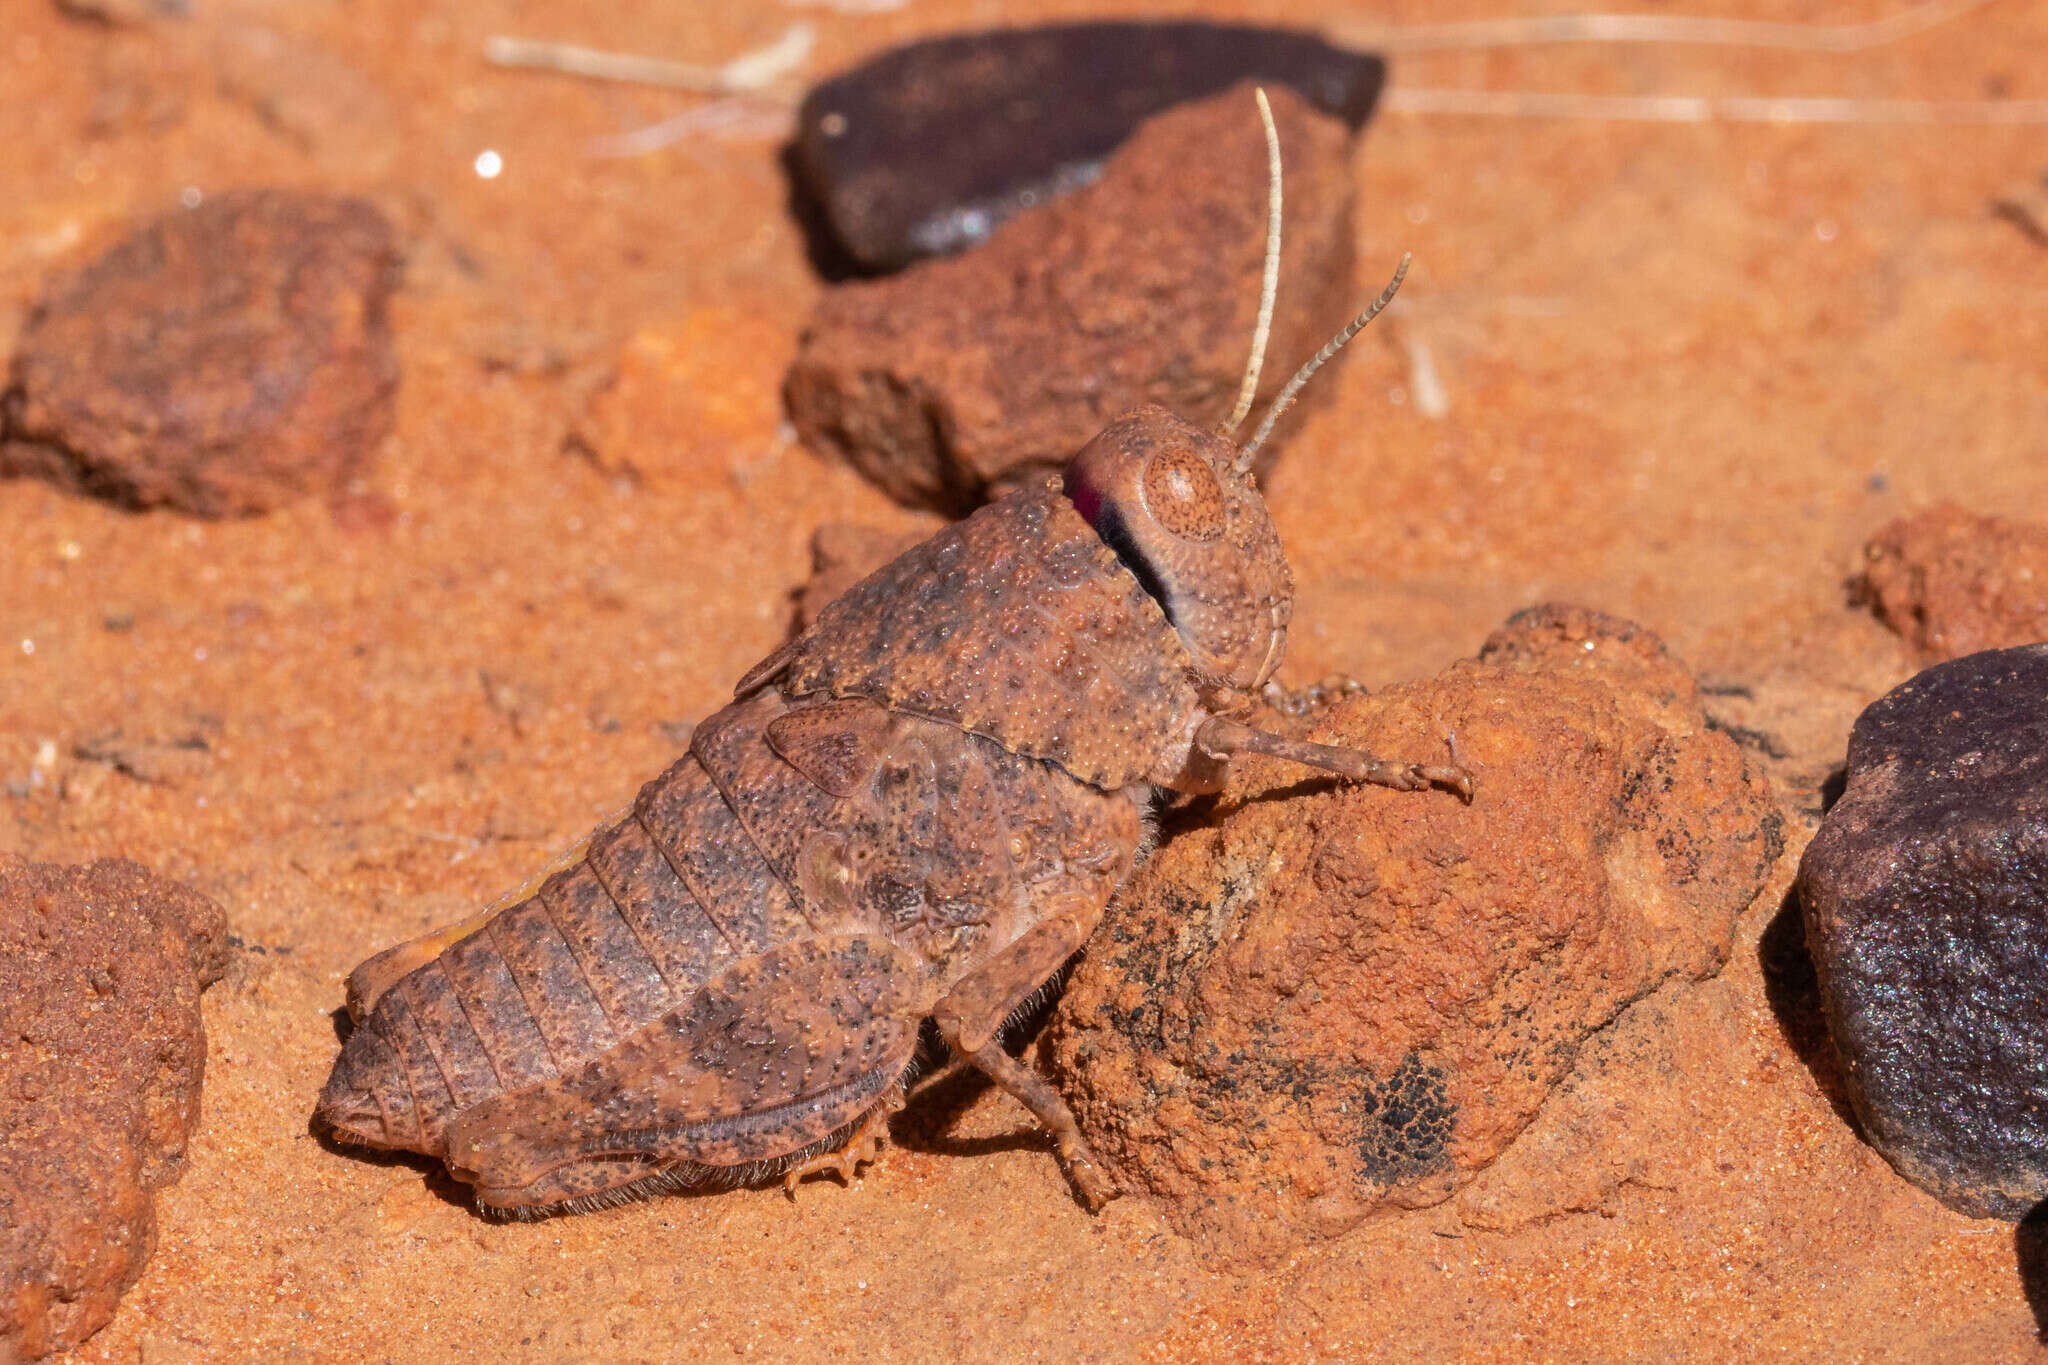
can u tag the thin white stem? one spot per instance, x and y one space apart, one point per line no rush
1524 31
735 116
756 70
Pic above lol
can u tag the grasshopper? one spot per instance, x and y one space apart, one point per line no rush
913 811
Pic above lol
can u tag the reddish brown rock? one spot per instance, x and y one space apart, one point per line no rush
220 360
1954 583
1335 1002
101 1057
1627 1118
978 371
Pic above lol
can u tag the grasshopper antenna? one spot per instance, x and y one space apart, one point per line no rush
1315 362
1269 284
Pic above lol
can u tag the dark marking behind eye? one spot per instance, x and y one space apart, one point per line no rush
1108 522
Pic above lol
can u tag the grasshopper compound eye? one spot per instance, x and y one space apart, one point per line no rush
1180 492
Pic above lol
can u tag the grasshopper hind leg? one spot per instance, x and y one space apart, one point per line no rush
1091 1181
783 1057
611 1181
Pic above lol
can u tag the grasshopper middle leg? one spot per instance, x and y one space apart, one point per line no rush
969 1017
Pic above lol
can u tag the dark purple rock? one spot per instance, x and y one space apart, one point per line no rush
925 149
1926 902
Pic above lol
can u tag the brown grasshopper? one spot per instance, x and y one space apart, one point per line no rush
915 810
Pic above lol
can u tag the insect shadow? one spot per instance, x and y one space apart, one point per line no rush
1204 811
2030 1252
433 1175
926 1121
925 1124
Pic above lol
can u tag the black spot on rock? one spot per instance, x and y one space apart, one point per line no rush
1406 1122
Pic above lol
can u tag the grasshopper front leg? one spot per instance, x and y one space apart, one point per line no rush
1220 737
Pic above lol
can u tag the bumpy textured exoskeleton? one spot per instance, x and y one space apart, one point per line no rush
917 809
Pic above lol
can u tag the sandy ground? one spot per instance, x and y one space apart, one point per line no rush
1686 370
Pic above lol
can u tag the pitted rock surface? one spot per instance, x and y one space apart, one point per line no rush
101 1057
974 373
1926 903
1334 1002
221 360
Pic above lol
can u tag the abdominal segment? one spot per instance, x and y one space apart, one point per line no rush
734 970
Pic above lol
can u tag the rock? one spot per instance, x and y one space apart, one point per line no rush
963 376
1626 1118
1928 923
1332 1002
101 1056
927 148
1953 583
220 360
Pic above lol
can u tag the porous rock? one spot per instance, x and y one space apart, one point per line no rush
220 360
1954 583
101 1057
1627 1118
1333 1002
1926 902
963 376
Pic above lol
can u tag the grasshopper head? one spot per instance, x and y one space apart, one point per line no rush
1179 507
1171 500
